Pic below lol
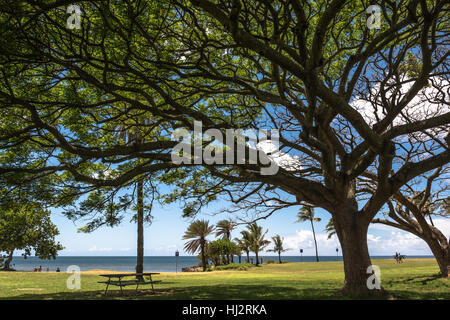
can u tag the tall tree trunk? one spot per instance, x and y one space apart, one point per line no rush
8 261
140 227
257 258
442 255
279 257
203 256
248 256
315 242
351 230
239 259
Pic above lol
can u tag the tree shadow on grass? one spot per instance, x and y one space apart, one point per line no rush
420 295
219 292
425 279
92 295
426 287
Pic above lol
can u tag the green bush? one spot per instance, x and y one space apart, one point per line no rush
234 266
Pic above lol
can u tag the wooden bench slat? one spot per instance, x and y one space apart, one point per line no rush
129 282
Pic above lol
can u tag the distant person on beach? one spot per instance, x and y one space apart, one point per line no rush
35 269
40 268
57 270
48 269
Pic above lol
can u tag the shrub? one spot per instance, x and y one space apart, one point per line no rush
234 266
219 250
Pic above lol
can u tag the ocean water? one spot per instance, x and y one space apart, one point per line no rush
151 263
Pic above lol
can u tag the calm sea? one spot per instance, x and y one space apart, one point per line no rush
151 263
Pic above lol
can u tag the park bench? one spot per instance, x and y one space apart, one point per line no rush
115 279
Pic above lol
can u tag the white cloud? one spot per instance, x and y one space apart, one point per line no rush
164 249
95 249
392 241
442 224
282 159
405 243
427 103
379 226
303 239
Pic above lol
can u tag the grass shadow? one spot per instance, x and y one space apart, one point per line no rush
218 292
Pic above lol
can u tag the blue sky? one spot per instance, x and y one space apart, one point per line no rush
164 235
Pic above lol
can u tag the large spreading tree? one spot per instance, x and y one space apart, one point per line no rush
345 97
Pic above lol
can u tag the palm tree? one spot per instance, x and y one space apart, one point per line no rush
224 228
307 213
257 241
244 244
330 229
278 246
198 231
238 252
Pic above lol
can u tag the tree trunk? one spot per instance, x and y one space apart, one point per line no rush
351 230
239 259
315 241
248 257
442 255
140 227
8 261
279 257
203 256
257 258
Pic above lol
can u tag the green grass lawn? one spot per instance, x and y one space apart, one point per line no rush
414 279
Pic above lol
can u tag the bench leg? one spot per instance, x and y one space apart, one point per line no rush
107 285
120 285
